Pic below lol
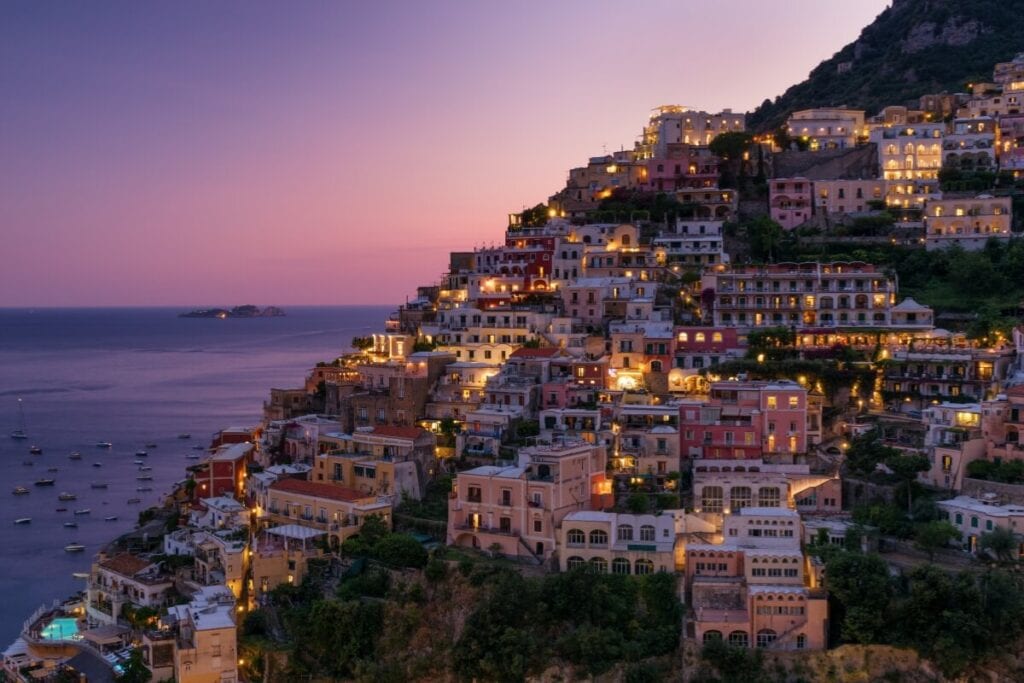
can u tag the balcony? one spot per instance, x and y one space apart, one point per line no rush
488 530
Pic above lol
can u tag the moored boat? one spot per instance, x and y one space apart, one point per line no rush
145 477
150 445
139 462
141 453
145 468
83 511
184 435
20 491
97 464
71 525
98 485
104 444
74 548
132 501
192 456
75 455
111 518
62 509
142 489
45 482
66 496
35 450
23 520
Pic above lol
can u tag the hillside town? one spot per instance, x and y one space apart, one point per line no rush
636 381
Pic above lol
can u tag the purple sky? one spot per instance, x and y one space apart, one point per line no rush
333 152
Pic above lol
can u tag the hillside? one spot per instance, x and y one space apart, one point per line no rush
914 47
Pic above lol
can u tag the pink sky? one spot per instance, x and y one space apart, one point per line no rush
334 153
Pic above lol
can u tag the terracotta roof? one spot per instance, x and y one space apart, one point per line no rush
318 490
125 564
1015 391
546 352
400 432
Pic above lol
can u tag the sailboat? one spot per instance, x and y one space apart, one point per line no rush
19 433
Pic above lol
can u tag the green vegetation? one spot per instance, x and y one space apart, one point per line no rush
362 343
591 620
882 72
1009 472
951 619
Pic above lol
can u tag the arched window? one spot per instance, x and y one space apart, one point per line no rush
644 567
575 562
598 537
739 498
712 635
620 565
647 532
575 537
699 337
739 639
684 337
625 533
655 366
716 337
599 565
711 499
768 497
766 637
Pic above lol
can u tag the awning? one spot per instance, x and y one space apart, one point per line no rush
105 635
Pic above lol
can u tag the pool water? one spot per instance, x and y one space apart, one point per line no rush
61 628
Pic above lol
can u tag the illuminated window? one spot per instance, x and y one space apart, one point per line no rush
772 402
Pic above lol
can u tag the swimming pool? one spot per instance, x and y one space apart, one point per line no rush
61 628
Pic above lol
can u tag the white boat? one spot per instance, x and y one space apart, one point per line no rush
111 518
74 548
145 469
145 477
19 433
83 511
67 496
75 456
141 453
104 444
35 450
20 491
23 520
197 447
138 462
184 436
193 456
80 575
143 488
132 501
71 525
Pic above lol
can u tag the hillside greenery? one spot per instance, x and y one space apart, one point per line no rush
885 69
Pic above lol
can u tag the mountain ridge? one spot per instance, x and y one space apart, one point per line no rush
912 48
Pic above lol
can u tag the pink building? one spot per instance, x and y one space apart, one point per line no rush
515 511
751 590
790 201
746 420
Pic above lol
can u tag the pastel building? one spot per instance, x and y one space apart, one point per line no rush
967 222
751 590
790 201
744 420
697 348
206 635
810 295
953 440
691 243
615 543
971 144
124 579
836 197
827 128
675 124
721 488
516 510
336 510
1003 425
909 157
973 518
383 460
280 555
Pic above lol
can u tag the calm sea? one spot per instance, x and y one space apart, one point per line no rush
130 377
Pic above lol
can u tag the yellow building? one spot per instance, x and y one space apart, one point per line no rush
337 511
281 555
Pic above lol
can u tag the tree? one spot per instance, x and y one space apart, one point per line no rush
861 584
763 236
932 536
401 550
362 343
638 503
866 451
1001 542
906 468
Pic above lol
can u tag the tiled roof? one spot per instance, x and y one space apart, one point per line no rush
399 432
318 490
125 564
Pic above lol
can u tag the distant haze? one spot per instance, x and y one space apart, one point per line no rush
334 152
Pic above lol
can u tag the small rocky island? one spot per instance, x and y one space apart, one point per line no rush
247 311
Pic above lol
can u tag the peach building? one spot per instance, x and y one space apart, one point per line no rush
515 511
973 517
968 223
846 196
124 579
726 488
336 510
281 555
384 460
952 441
205 648
751 590
910 157
1003 425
